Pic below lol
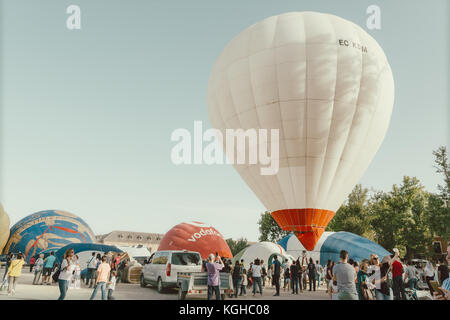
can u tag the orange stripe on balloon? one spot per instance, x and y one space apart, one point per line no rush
309 223
26 254
51 229
71 231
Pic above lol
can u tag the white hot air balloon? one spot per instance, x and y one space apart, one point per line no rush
327 86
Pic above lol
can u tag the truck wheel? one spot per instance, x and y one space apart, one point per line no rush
181 294
142 281
159 286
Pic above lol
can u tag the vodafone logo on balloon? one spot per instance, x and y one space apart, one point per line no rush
203 233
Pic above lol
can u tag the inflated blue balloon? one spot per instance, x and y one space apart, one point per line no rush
49 229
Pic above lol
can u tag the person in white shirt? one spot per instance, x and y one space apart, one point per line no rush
319 271
429 275
334 290
112 285
91 267
256 275
66 270
244 283
75 282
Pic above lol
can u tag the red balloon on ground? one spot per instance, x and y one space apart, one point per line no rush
196 236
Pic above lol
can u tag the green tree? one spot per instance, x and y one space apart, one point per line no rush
353 216
237 245
269 229
438 210
400 218
442 165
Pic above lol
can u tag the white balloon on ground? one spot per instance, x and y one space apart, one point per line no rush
262 250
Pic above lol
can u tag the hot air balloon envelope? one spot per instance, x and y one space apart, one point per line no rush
198 237
50 229
326 85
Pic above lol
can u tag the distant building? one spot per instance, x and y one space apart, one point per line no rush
127 239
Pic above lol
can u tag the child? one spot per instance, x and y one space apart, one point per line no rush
243 282
334 291
287 278
76 279
112 285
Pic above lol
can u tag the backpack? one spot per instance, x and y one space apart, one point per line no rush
287 273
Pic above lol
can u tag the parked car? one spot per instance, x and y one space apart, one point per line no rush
162 267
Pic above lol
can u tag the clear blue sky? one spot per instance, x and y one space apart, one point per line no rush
87 115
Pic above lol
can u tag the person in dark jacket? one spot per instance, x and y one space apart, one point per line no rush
294 277
236 276
276 275
312 274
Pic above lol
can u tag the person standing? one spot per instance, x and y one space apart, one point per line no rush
300 275
116 262
263 273
249 275
103 272
49 263
334 291
112 285
66 268
38 267
75 281
5 275
287 278
411 275
345 276
319 271
397 279
329 273
243 283
14 272
429 275
294 277
256 276
362 278
32 261
276 275
270 275
121 268
91 266
312 274
236 276
213 266
379 277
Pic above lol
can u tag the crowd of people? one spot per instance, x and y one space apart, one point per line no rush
369 279
388 279
103 272
292 274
